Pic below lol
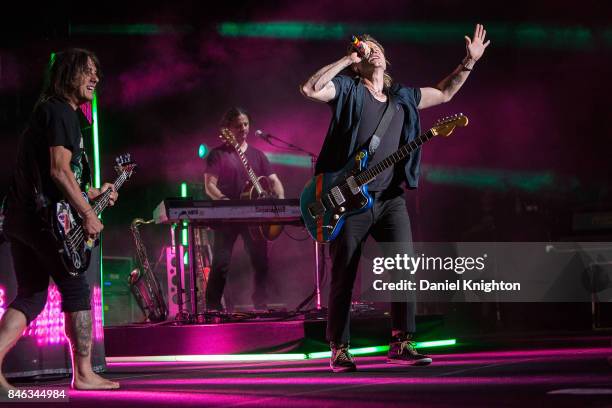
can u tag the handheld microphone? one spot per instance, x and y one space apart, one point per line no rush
360 47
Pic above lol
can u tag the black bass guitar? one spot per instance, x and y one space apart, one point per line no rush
74 245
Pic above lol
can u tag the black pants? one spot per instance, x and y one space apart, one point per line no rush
386 221
35 259
225 238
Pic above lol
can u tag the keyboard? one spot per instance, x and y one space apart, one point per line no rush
205 212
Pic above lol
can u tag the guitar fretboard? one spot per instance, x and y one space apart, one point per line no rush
370 174
102 203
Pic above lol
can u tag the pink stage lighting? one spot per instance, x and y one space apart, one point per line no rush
48 327
2 307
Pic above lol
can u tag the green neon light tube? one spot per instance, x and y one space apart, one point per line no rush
436 343
382 349
267 357
96 142
97 182
184 239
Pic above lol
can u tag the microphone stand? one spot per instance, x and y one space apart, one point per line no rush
319 262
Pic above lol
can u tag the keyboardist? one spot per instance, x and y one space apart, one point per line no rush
225 178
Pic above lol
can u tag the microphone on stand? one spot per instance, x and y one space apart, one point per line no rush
265 136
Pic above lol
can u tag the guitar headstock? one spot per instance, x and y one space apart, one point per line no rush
446 126
124 164
228 137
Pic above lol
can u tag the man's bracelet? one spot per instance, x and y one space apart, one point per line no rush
468 63
87 211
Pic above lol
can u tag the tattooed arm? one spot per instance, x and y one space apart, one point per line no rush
448 87
319 87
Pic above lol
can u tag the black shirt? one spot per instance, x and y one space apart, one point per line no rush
340 143
53 123
224 163
371 116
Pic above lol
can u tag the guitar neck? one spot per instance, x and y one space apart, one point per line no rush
370 174
104 199
249 170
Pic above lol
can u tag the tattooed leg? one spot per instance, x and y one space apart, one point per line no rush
78 331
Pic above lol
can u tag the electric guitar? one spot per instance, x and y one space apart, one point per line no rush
328 198
74 245
256 188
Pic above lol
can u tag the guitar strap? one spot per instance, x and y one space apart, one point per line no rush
383 125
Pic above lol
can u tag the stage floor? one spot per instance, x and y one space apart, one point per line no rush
542 377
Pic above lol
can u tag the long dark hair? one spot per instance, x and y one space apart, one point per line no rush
232 114
63 71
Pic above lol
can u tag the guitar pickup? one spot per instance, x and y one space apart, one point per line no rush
352 183
338 196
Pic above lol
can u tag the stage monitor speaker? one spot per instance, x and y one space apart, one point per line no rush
120 306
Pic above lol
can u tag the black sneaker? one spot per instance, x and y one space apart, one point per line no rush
341 360
403 352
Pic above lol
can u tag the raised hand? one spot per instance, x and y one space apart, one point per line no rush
476 46
354 57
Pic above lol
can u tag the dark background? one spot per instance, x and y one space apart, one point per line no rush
537 149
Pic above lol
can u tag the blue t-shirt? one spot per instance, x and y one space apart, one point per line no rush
341 142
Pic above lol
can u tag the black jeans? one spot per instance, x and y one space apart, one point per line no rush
35 259
386 221
225 238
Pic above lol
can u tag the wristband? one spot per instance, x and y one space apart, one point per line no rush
87 211
468 63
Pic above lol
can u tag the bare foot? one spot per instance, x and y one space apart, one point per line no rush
93 382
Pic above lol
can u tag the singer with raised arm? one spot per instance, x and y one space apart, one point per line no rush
225 178
359 105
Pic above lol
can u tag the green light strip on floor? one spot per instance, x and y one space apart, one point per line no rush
383 349
356 352
436 343
266 357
